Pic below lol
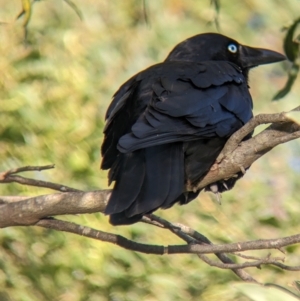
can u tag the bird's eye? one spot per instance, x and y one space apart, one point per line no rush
232 48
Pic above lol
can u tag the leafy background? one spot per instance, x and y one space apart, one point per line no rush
54 91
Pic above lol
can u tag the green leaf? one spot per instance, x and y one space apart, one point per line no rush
297 285
291 47
293 73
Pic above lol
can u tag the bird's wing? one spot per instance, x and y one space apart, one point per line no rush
151 118
188 101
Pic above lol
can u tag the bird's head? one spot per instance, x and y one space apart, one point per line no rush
216 47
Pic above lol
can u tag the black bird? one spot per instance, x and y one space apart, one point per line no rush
167 124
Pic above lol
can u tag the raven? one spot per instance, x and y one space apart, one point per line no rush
167 124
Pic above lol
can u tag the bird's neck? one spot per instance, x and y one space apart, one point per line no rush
246 74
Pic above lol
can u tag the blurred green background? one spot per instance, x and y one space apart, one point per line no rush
54 91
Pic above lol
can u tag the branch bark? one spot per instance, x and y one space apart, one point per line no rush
237 155
31 210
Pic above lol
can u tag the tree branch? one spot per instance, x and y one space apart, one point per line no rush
237 155
31 210
191 236
191 248
9 177
119 240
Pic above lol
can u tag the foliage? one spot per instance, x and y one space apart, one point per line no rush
292 51
54 91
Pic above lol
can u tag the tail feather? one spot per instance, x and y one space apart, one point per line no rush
121 219
160 185
147 179
176 177
129 181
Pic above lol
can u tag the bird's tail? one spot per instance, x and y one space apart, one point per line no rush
145 180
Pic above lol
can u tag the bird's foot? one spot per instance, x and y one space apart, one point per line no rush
225 185
242 168
214 188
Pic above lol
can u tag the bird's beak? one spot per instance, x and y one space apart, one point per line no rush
251 57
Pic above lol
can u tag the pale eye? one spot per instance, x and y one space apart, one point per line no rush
232 48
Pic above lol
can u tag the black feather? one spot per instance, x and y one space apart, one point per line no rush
167 124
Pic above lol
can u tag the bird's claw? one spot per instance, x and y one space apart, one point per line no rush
225 185
242 168
214 188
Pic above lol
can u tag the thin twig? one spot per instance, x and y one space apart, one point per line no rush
10 177
9 172
182 231
10 199
257 263
118 240
250 257
287 267
38 183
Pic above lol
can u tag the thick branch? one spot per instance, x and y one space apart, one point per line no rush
248 128
30 211
235 157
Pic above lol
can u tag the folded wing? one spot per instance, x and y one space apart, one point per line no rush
165 126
